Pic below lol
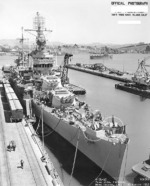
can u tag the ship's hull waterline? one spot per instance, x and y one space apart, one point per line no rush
105 154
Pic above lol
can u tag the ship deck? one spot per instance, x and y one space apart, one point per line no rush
34 171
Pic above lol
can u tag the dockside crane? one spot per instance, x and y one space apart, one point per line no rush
142 76
64 74
22 57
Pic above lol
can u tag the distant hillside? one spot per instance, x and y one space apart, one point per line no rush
14 42
10 42
109 45
55 43
126 47
137 47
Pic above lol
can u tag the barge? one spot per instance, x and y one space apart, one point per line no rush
132 88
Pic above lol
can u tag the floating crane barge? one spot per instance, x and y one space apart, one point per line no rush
140 84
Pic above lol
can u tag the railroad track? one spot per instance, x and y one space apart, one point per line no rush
5 173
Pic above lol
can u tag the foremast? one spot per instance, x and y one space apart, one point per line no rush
42 60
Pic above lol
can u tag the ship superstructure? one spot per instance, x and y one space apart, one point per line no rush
42 59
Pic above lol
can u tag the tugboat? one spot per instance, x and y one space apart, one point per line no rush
140 83
99 56
102 140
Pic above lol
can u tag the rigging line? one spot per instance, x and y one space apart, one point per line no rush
125 164
102 167
74 136
39 121
74 161
42 128
52 129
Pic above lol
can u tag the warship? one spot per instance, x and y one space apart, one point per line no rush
41 91
100 54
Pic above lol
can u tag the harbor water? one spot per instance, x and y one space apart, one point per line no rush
101 94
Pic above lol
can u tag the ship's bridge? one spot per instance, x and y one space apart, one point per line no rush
43 62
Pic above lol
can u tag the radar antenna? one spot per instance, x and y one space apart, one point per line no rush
39 27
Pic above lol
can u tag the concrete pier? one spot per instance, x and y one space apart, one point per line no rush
124 78
34 171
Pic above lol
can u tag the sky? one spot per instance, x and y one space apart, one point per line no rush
72 21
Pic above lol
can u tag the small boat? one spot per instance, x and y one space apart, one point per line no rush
142 170
100 55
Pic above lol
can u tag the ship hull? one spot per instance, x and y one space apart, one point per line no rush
105 154
108 156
